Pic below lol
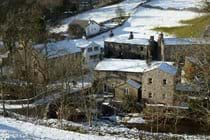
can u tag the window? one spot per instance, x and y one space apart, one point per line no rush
83 50
106 88
164 81
90 49
126 91
150 95
112 85
150 81
96 48
141 48
164 96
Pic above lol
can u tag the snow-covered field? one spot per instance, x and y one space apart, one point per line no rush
100 14
144 20
176 4
11 129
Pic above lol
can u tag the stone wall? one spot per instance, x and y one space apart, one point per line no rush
206 33
124 51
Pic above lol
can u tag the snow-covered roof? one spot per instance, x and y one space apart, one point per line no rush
60 48
134 84
64 47
83 43
125 40
186 41
165 67
132 65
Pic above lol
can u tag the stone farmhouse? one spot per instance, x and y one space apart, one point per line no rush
166 49
154 83
144 68
124 48
42 62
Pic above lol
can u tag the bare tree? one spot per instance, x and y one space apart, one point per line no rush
120 12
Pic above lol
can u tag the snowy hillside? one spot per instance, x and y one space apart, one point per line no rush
142 19
11 129
176 4
101 14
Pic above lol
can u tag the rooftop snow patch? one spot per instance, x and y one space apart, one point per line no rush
165 67
186 41
134 84
131 65
125 40
64 47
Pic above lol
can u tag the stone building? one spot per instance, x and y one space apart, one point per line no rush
121 77
177 48
88 27
167 49
159 84
63 59
125 48
41 63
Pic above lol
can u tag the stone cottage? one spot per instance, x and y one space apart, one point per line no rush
89 27
124 48
159 83
168 49
154 82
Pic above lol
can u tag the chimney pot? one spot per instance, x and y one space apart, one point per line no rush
152 38
131 35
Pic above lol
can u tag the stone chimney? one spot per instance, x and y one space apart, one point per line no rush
111 34
131 35
161 53
149 50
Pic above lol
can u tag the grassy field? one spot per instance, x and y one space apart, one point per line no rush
194 28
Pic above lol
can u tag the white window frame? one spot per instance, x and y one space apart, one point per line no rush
126 91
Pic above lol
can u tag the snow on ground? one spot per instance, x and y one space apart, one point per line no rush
136 120
49 98
101 14
144 20
176 4
11 129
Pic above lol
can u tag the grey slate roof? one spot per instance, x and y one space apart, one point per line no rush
182 87
134 84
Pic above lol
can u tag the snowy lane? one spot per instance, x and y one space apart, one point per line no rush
11 129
